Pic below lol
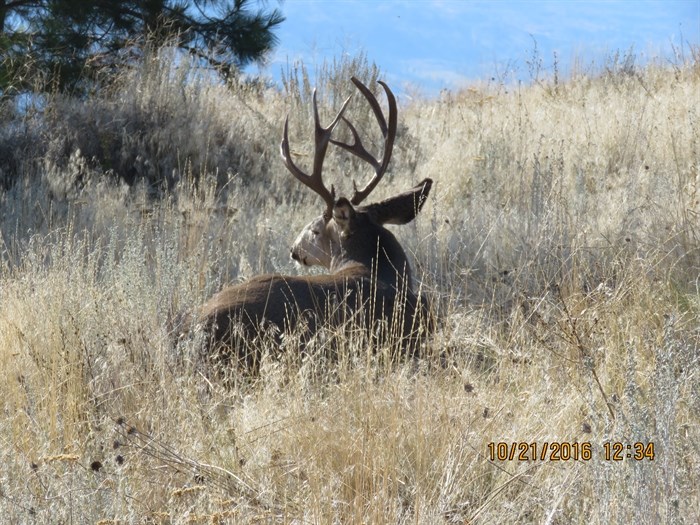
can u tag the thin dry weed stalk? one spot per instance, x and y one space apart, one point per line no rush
562 243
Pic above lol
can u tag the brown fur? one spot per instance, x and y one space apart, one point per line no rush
371 281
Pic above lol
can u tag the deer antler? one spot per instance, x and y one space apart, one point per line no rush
322 136
389 133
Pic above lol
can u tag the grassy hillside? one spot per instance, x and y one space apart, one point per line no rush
561 242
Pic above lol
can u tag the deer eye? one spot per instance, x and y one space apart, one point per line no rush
315 232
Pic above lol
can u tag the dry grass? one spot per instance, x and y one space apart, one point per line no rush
561 239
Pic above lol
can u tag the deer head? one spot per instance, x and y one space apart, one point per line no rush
346 233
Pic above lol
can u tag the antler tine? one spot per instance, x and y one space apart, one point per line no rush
322 137
389 133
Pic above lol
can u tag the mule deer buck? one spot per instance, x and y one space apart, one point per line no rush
370 278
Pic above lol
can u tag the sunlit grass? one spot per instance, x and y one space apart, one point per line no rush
560 242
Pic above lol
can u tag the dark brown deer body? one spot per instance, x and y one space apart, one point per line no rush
370 278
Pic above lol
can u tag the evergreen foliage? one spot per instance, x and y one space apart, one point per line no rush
67 44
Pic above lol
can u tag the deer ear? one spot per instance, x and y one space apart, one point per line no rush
402 208
343 214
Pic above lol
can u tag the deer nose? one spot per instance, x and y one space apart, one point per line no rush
294 255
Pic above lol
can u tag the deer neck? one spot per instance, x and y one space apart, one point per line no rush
383 259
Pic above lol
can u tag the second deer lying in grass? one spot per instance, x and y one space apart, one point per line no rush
370 277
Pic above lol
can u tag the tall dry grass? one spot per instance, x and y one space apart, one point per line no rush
561 241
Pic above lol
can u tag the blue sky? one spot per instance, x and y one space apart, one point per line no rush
430 45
